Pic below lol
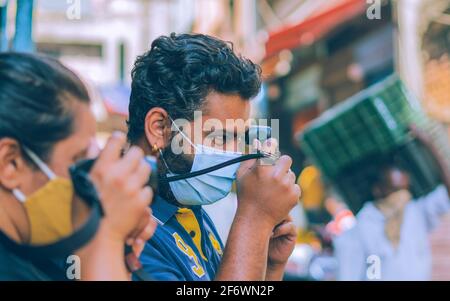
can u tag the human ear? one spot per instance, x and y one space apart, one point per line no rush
12 164
155 127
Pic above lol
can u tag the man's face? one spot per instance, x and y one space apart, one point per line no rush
394 180
223 122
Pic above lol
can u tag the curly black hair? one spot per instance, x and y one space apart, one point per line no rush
178 73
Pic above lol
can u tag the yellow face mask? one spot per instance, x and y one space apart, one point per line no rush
49 209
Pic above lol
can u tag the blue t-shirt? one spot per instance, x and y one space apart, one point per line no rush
185 246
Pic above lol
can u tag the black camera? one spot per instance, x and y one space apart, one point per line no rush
259 132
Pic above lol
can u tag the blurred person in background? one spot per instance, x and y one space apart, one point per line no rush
394 227
46 126
179 75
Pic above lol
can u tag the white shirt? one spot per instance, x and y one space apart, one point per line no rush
411 260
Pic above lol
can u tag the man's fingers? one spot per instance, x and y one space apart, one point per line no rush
270 146
144 236
256 144
282 166
285 229
148 231
143 222
288 219
290 177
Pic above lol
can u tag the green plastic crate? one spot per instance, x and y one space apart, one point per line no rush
373 121
350 141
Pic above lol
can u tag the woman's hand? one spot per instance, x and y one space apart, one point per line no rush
121 185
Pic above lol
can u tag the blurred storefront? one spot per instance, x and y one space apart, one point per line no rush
435 52
436 57
336 51
330 55
100 39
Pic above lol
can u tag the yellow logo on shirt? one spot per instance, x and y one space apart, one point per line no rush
215 244
197 268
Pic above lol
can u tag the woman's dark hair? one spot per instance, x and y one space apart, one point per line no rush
178 73
37 94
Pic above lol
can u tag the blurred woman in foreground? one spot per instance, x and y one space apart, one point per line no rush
45 127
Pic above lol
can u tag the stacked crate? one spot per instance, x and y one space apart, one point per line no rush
350 141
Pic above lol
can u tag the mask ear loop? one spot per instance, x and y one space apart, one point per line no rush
185 137
164 160
183 134
42 166
19 195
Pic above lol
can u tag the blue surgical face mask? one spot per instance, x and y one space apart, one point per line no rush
207 188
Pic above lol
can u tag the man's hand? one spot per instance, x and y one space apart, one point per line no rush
281 245
267 192
142 233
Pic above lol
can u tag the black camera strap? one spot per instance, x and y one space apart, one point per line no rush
197 173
